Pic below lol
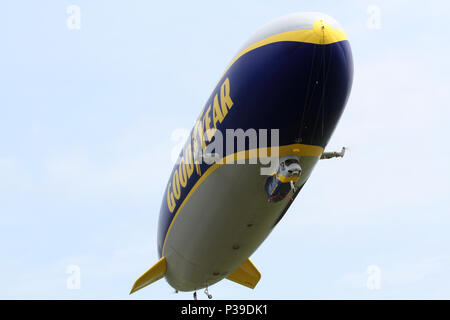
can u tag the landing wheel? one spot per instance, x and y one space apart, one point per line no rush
207 293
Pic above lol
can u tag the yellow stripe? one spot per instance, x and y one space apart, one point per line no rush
297 149
258 153
321 34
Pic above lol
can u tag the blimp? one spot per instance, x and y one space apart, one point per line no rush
250 152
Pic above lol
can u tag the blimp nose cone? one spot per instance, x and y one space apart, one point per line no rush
312 27
326 33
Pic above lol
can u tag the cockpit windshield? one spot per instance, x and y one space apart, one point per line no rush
291 161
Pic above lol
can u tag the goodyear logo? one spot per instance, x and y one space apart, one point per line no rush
203 132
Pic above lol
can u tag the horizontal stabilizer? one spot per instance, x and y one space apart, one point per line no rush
151 275
246 275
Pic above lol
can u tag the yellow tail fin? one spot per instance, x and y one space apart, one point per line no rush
151 275
246 275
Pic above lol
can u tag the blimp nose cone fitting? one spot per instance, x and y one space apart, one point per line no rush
322 29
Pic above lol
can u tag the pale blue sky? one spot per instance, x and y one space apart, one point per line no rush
85 141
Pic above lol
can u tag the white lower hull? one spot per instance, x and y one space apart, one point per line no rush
210 239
